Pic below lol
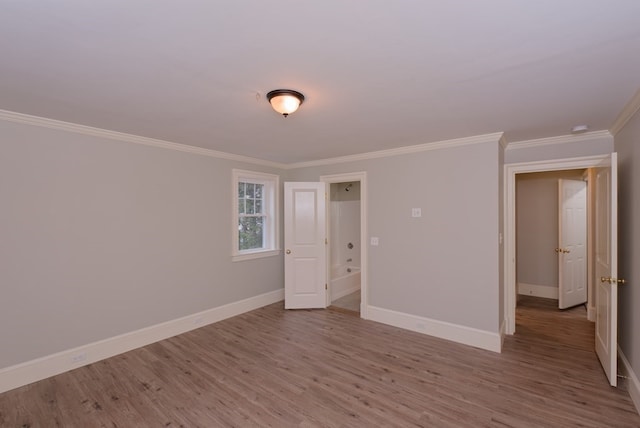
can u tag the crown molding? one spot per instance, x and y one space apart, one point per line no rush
42 122
562 139
503 142
478 139
629 110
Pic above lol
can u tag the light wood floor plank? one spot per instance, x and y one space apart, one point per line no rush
326 368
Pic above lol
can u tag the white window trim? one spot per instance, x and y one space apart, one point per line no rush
272 189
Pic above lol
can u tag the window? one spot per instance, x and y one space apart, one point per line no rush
255 218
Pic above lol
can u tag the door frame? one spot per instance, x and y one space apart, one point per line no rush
510 172
364 239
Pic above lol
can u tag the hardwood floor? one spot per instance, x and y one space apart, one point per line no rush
324 368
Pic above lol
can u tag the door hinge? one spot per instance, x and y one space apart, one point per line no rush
326 241
325 286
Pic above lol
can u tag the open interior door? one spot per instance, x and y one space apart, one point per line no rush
606 266
572 243
305 270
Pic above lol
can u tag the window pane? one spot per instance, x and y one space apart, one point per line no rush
249 206
250 190
250 233
258 206
258 192
241 187
240 206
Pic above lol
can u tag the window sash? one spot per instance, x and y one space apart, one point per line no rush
255 197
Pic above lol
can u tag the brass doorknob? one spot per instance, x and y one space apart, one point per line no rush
288 251
613 280
557 250
566 251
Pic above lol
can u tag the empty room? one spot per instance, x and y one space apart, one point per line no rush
319 214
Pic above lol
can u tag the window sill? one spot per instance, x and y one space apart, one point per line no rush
254 255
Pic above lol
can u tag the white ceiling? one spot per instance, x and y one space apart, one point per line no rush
376 74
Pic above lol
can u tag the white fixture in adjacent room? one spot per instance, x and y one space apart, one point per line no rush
579 129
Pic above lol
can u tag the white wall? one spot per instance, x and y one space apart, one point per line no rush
345 224
537 228
101 237
443 266
345 230
627 144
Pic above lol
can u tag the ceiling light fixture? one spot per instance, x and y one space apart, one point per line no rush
285 101
579 129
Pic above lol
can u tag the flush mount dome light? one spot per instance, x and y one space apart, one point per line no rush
285 101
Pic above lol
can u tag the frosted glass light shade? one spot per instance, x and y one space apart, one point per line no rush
285 101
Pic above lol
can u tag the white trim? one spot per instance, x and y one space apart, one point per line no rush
478 139
591 301
633 384
510 171
255 255
546 291
491 341
364 237
51 365
629 110
128 138
562 139
503 332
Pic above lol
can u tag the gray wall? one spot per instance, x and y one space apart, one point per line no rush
627 144
537 226
101 237
444 265
585 145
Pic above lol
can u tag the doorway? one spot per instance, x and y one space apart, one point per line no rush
511 171
344 245
552 257
346 249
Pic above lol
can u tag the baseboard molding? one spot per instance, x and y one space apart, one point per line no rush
591 313
51 365
634 383
341 293
456 333
538 290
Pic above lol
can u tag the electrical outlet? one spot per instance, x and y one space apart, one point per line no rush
375 240
416 212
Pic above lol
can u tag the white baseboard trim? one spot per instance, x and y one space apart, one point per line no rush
591 313
341 293
51 365
634 383
538 290
456 333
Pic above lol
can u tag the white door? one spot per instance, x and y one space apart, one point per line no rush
305 270
572 243
606 266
